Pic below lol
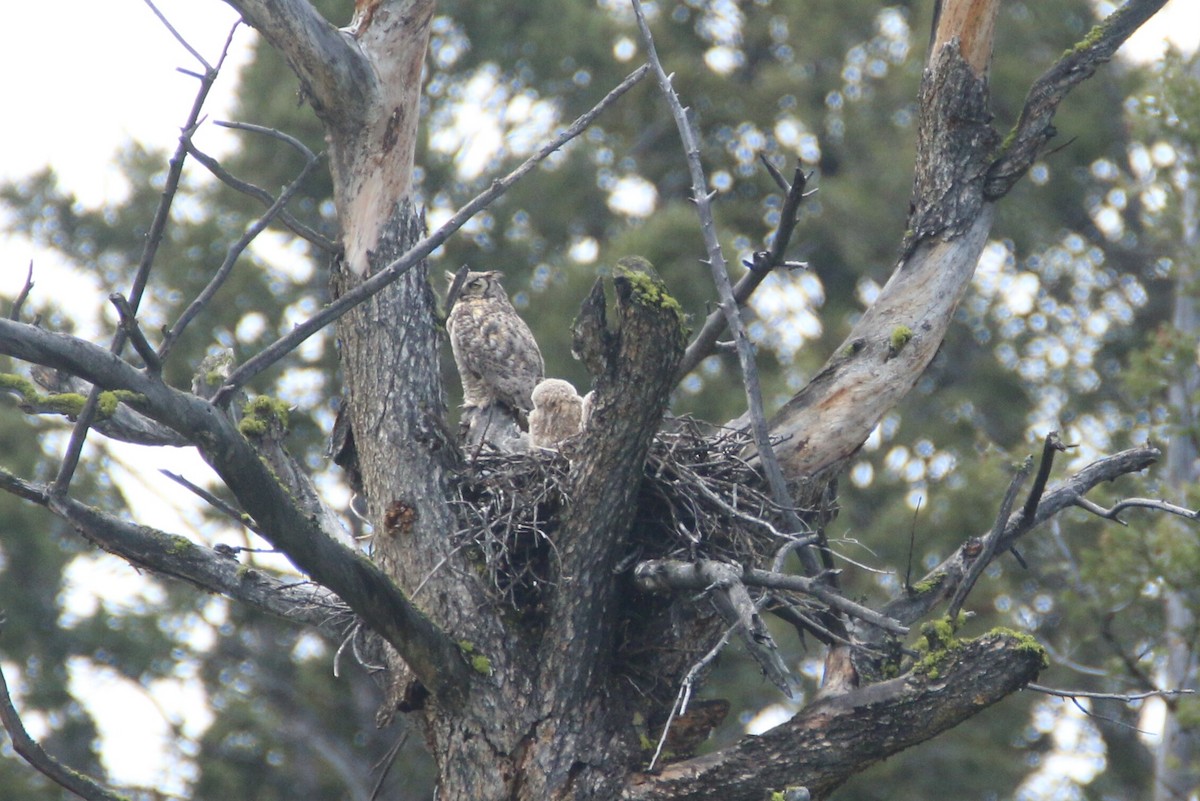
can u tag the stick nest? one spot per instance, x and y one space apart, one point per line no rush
699 499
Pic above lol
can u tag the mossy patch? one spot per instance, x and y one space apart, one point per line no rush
648 289
928 585
261 415
68 404
901 335
478 662
936 646
1026 643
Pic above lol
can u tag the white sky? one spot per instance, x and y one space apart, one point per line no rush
74 89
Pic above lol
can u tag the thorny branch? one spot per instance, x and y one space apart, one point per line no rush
377 282
716 262
764 261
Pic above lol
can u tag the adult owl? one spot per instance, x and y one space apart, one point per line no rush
557 413
497 357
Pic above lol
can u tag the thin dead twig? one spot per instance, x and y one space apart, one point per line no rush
992 540
230 511
154 239
14 313
293 223
171 337
1135 503
1128 698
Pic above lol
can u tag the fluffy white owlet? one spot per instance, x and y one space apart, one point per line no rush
557 413
497 357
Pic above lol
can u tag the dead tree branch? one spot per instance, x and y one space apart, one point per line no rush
944 580
364 586
821 747
177 557
154 238
988 547
705 340
74 781
15 312
728 304
660 575
1033 130
171 336
286 218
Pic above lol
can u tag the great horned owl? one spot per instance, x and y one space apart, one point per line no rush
497 357
557 413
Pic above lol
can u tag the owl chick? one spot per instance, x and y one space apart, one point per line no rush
557 413
497 357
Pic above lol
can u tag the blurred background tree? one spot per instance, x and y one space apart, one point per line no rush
1068 327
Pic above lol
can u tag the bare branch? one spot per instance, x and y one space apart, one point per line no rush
293 530
1135 503
728 304
15 312
1033 129
381 279
285 217
171 337
988 548
1127 698
820 747
74 781
133 331
232 512
179 38
944 579
178 557
154 238
667 574
723 582
704 343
